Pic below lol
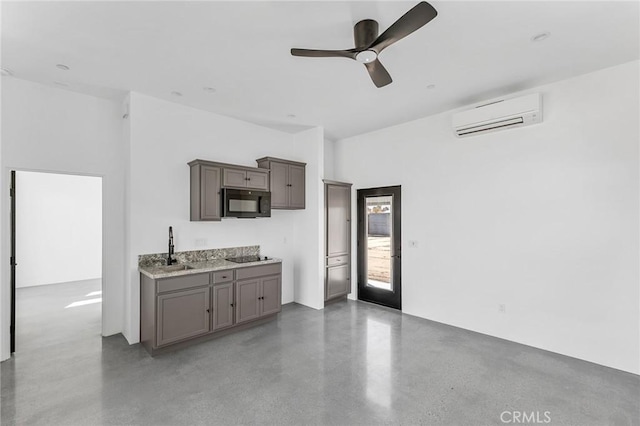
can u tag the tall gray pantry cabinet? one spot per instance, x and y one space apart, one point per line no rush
337 240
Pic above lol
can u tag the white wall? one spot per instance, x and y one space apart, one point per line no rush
543 219
48 129
163 138
309 223
329 161
58 228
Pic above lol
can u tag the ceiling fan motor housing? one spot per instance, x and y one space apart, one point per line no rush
364 33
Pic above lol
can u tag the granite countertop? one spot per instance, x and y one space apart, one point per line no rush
157 272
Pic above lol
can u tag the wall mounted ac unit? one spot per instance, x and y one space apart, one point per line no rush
499 115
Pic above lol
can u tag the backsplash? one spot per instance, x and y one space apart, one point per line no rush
158 259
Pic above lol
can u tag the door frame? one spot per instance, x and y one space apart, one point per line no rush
392 299
10 304
12 263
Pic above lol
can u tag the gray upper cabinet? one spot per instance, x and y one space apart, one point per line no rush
207 180
287 182
205 191
338 239
235 177
252 179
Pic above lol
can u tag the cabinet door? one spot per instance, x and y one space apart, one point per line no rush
222 306
271 298
337 281
279 185
234 177
182 315
247 302
338 220
209 193
296 187
258 180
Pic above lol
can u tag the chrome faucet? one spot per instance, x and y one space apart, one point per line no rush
170 260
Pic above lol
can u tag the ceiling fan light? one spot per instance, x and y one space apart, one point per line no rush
366 56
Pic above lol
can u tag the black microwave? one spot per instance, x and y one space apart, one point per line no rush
245 203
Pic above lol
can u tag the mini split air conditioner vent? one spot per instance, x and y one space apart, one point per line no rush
499 115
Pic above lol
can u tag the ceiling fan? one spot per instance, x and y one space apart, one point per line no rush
369 44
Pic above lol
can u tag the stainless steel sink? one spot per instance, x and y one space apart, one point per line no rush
175 268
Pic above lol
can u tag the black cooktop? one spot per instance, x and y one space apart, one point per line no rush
247 259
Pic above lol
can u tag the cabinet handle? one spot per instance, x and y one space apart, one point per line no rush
232 305
208 311
337 260
224 276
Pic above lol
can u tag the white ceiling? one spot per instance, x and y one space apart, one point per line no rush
471 51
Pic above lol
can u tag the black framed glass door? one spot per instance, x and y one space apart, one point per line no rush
379 246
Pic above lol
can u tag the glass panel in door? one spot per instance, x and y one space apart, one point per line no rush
379 242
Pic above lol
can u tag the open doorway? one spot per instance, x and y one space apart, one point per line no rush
56 251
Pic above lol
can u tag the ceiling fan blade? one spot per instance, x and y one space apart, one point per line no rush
312 53
378 73
414 19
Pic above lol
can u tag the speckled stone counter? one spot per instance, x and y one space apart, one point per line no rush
158 271
198 261
197 256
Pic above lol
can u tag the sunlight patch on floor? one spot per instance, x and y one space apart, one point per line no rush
84 302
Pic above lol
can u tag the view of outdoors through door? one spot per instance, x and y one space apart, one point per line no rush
379 242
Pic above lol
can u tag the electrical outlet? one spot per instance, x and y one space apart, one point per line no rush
201 242
502 308
413 244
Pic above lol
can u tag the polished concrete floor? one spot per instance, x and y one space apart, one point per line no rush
352 363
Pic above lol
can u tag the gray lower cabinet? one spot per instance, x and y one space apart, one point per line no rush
177 309
183 314
338 240
338 282
248 297
223 306
258 297
271 301
287 182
